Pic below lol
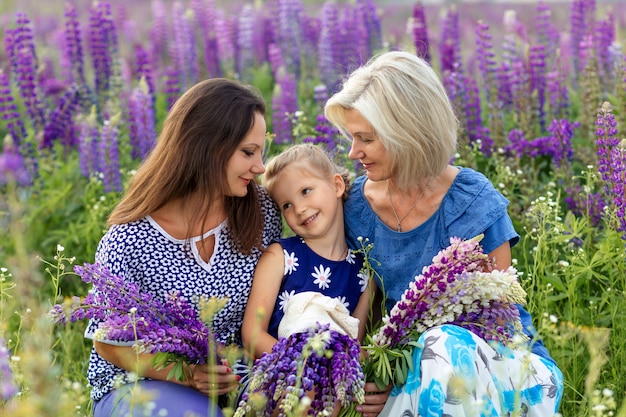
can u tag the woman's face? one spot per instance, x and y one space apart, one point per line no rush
367 147
246 163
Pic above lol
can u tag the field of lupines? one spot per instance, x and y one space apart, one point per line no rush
539 88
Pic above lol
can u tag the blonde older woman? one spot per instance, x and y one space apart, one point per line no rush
409 203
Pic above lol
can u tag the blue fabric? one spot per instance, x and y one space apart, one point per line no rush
143 253
456 373
166 398
472 206
305 270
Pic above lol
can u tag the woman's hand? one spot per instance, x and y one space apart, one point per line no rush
374 401
213 379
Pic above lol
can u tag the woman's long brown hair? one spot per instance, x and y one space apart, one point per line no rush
202 131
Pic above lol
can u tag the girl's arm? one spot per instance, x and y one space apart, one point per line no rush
265 286
210 380
362 310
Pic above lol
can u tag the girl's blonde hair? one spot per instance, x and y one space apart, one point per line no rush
310 157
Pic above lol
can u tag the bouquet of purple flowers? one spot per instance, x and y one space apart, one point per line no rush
462 287
322 361
172 329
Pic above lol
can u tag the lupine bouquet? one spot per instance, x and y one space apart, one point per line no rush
319 360
171 329
461 286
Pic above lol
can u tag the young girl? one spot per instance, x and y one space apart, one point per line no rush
309 190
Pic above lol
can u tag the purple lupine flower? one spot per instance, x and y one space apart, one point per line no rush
88 145
300 363
72 51
168 324
460 280
486 59
183 47
537 66
288 34
60 124
588 204
562 132
158 33
450 42
473 117
143 68
8 111
577 30
108 154
225 35
419 31
604 36
361 42
284 106
103 44
141 126
612 163
13 167
372 25
247 25
328 47
557 92
172 86
7 386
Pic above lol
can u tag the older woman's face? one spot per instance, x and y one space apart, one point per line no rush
367 147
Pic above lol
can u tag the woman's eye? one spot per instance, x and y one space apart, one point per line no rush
248 153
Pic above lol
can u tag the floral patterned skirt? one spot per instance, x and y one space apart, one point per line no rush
456 373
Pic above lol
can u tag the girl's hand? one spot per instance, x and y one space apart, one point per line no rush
213 379
374 401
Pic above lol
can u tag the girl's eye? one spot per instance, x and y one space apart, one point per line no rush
286 206
306 191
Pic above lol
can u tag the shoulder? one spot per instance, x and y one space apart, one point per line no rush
359 217
472 194
473 206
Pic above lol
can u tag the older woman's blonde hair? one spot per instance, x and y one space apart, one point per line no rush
403 100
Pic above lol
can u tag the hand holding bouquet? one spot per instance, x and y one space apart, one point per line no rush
172 330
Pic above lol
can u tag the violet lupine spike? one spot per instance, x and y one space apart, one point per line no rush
486 58
247 25
88 139
144 68
11 118
170 324
13 168
8 388
590 205
562 132
172 86
537 64
606 140
297 364
450 43
101 38
158 33
26 79
225 34
372 24
361 43
289 35
60 124
183 47
284 106
419 31
604 37
110 158
141 121
328 47
72 46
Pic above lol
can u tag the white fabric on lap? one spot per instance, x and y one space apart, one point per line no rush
304 310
